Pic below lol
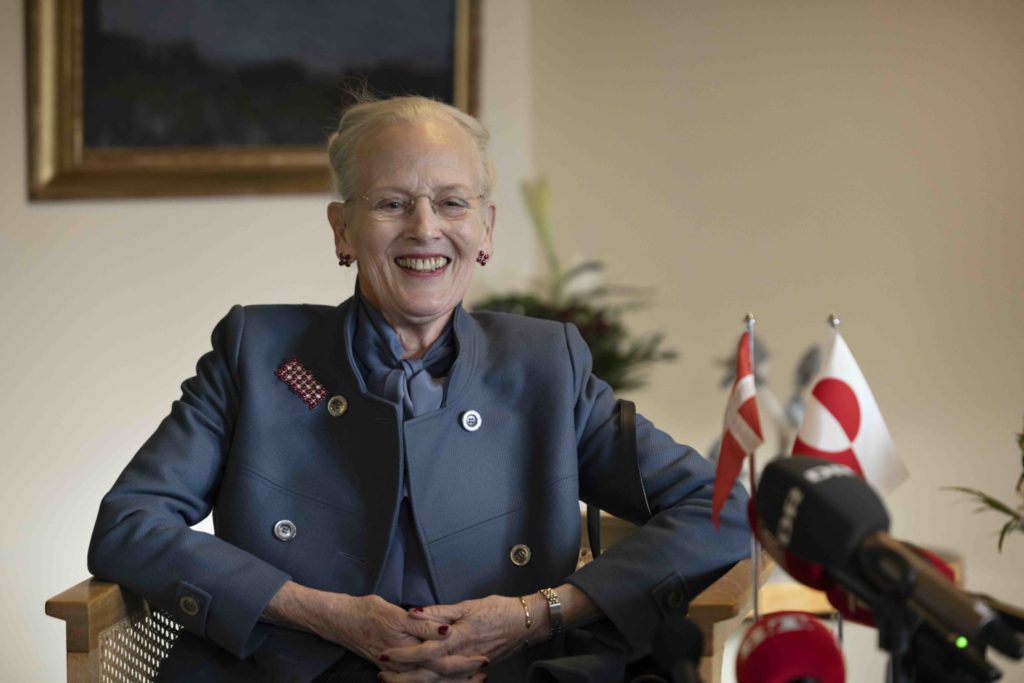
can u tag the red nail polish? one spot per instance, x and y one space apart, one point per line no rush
385 658
417 609
485 664
442 629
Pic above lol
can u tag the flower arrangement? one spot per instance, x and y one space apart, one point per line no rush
987 502
576 295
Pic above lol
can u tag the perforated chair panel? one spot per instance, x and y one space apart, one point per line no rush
131 650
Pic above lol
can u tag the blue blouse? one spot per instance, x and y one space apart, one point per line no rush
415 386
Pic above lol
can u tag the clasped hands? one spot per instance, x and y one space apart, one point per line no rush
438 643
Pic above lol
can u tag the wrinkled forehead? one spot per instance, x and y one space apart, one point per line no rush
422 155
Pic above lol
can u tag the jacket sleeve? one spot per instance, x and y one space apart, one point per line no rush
677 551
142 538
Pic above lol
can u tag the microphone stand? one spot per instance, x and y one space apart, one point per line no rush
919 647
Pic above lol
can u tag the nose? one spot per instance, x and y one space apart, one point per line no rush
423 223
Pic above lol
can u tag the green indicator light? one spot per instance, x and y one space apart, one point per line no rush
961 642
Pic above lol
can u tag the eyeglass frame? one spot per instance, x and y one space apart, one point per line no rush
412 205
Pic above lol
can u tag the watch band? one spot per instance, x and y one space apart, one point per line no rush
554 610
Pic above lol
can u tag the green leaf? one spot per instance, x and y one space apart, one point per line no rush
1007 528
988 500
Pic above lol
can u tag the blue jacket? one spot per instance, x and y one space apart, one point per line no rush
241 443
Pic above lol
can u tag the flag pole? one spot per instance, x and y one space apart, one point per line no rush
833 322
755 547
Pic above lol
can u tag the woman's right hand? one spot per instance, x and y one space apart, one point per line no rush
366 625
369 625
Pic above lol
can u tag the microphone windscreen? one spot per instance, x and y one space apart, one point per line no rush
782 647
850 607
817 509
807 573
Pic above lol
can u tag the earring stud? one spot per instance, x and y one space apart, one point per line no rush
482 258
345 260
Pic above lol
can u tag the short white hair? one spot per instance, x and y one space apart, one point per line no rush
364 117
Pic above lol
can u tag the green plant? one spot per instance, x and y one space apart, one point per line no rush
987 502
596 309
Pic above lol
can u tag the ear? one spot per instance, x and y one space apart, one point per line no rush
339 226
490 213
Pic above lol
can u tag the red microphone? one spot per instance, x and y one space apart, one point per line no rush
785 647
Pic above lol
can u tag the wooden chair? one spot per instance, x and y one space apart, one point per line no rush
114 636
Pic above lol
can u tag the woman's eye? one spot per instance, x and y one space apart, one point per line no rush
390 205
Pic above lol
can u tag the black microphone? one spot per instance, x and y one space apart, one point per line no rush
823 512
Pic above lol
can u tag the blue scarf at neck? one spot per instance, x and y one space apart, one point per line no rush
417 385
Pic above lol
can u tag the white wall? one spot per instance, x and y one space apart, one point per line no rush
792 158
107 305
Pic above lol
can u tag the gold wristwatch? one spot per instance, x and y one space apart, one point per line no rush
554 610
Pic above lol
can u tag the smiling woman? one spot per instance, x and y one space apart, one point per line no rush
416 257
396 481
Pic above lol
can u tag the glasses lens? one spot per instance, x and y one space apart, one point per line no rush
391 206
388 207
451 206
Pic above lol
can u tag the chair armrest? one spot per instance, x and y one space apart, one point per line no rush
721 608
732 594
90 607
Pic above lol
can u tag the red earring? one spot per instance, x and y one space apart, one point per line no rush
482 258
345 260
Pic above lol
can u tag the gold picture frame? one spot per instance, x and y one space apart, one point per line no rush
61 166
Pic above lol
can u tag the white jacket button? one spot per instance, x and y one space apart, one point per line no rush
284 530
471 420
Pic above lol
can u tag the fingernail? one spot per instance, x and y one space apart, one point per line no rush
385 658
486 662
443 630
417 609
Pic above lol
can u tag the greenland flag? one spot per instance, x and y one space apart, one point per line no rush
741 434
842 423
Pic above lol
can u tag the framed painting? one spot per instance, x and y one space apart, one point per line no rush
143 98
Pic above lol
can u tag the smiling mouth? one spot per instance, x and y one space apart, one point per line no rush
422 265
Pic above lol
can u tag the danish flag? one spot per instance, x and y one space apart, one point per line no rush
741 434
843 423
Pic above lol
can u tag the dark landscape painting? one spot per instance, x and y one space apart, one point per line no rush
230 73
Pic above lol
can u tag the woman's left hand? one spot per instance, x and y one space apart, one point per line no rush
492 627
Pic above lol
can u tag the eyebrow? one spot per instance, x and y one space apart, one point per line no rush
402 190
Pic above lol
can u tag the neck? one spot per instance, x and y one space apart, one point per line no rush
416 339
416 336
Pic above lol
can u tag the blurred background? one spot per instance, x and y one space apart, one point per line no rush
787 158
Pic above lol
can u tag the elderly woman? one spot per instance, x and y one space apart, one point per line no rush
395 481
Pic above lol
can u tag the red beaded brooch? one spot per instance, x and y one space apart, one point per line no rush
302 382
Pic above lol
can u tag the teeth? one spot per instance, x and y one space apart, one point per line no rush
423 265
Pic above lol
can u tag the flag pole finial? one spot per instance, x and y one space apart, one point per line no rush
833 320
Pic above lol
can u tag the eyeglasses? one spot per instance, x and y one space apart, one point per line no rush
393 206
